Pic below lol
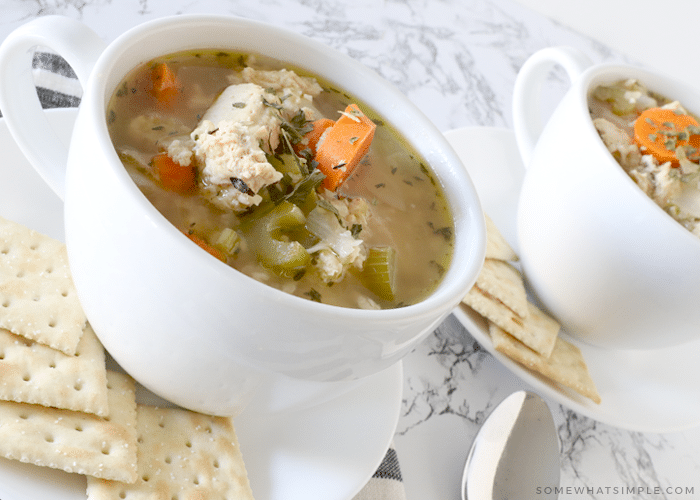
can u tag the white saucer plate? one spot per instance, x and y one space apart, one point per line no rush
646 391
327 452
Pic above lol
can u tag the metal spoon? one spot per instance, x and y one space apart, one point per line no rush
515 454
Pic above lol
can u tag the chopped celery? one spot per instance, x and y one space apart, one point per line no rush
379 272
267 233
285 163
617 97
228 241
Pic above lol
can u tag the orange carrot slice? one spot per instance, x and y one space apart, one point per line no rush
172 175
660 132
311 138
206 246
166 86
343 146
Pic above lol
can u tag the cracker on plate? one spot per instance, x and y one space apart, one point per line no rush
497 247
34 373
538 331
502 281
183 455
38 299
73 441
565 365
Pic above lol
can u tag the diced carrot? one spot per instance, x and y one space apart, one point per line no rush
660 130
310 139
344 145
172 175
206 246
166 86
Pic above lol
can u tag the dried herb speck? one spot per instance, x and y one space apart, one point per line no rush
241 186
313 295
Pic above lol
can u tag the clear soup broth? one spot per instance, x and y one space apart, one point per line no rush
283 177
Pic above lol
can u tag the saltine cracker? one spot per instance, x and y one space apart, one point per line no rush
502 281
565 365
181 454
538 330
38 299
75 442
37 374
497 247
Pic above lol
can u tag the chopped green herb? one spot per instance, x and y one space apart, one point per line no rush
271 104
440 268
445 232
313 295
302 190
122 91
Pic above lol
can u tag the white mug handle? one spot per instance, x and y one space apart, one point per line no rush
527 119
19 103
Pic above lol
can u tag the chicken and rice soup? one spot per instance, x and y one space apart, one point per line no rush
288 180
656 141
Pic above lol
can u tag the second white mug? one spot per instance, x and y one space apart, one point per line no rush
602 257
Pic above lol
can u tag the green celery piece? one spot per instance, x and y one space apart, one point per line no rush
285 163
379 272
284 258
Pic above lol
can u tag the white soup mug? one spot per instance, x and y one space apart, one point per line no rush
614 268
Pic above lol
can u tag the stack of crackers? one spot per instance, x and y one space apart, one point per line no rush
518 328
61 407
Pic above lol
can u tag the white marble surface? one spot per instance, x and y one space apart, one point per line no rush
602 20
457 61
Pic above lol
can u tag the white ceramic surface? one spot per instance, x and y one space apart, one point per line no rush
611 265
222 342
650 390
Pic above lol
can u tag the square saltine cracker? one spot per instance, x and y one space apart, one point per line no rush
72 441
184 455
38 299
37 374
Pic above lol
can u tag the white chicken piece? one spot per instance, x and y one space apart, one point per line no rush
337 249
295 92
249 105
619 143
229 142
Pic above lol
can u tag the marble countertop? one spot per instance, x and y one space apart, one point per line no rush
457 61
